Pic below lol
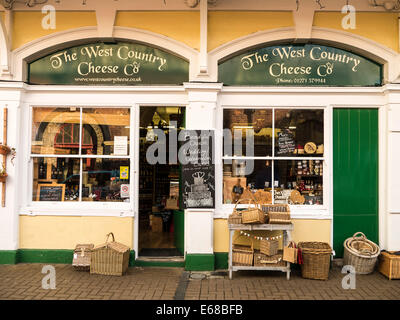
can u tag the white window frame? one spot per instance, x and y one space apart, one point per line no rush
297 211
76 208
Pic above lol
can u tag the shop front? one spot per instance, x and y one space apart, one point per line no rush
97 125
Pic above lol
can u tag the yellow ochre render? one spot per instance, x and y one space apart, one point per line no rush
382 27
183 26
58 232
223 26
27 25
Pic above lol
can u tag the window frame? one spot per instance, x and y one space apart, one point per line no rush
76 208
305 211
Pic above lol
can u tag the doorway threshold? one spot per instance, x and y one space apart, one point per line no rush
173 261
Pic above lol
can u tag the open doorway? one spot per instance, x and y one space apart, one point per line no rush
160 218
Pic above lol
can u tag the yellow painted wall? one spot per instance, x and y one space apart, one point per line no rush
382 27
225 26
27 26
48 232
178 25
304 230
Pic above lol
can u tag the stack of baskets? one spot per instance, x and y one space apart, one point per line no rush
316 260
242 255
360 253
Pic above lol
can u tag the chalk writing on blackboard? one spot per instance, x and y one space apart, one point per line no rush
286 143
51 192
198 173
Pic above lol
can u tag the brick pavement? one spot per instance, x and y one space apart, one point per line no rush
23 282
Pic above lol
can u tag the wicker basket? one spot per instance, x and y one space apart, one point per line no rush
277 213
234 219
252 214
262 260
389 265
316 260
110 258
360 253
82 257
242 255
269 247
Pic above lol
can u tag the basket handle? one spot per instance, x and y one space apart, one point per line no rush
237 202
362 235
109 236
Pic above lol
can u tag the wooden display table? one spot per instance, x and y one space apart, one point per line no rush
286 228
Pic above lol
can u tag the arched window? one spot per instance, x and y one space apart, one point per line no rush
68 137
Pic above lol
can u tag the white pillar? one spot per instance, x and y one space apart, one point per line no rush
9 215
201 115
393 171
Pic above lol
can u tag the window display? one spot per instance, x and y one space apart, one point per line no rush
58 133
287 168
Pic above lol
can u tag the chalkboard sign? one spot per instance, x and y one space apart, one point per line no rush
286 144
51 192
198 168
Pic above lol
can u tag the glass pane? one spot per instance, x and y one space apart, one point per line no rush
106 131
52 130
241 123
297 182
55 179
242 177
300 182
299 133
105 180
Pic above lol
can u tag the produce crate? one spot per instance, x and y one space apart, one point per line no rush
389 265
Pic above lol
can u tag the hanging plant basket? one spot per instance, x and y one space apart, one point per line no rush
4 150
3 177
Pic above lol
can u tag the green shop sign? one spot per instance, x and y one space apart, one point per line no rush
300 65
109 64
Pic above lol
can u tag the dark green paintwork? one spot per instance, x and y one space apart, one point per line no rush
221 260
200 262
8 256
179 231
263 66
355 175
154 66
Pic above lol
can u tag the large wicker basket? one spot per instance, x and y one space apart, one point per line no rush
316 260
252 214
277 213
110 258
360 253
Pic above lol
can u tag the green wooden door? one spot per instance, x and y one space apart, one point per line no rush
355 175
